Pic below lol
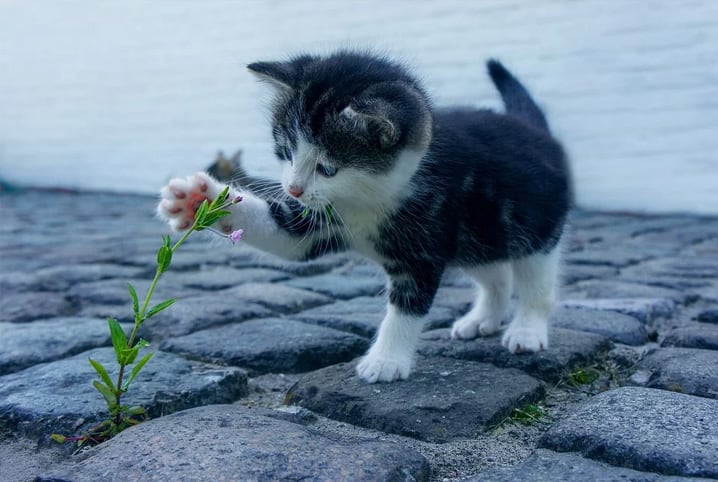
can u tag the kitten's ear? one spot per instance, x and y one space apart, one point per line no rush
237 157
373 122
279 74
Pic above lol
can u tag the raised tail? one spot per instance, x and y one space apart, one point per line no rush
516 98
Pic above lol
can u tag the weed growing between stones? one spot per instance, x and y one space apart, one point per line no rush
583 376
121 416
529 414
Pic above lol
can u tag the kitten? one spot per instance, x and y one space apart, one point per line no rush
414 188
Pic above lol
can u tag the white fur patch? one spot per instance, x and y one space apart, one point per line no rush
391 356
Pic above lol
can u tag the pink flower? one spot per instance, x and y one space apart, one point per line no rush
235 236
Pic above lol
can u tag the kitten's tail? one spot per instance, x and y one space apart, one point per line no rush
516 98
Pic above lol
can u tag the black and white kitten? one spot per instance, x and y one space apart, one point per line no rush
414 188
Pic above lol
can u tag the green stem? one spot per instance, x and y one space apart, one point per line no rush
140 319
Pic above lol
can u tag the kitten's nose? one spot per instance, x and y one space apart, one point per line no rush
295 191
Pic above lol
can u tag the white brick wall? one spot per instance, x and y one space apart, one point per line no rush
123 95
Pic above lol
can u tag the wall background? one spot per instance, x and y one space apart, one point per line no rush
123 95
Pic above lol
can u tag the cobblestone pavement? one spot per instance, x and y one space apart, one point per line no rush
253 376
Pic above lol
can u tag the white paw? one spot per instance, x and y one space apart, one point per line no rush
373 368
182 197
469 327
522 338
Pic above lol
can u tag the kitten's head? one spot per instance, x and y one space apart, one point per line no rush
350 127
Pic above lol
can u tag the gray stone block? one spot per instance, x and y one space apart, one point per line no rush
212 278
684 370
277 297
708 316
611 324
24 307
574 273
642 429
231 442
277 345
694 335
616 256
622 289
643 309
548 466
26 344
59 396
198 313
442 400
567 349
339 286
363 315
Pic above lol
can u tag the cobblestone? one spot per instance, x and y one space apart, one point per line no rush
630 427
638 307
442 400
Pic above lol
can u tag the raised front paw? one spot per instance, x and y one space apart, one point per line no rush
525 338
374 368
182 197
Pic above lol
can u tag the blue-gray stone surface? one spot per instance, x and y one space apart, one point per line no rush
230 442
643 429
443 400
638 306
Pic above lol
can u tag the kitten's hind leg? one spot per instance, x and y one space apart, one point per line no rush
491 304
535 279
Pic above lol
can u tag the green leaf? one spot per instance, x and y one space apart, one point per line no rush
119 340
129 354
220 199
135 371
137 410
583 376
101 371
135 301
141 343
211 218
58 438
159 307
164 258
305 213
201 212
106 393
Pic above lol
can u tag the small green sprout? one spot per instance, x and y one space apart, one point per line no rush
583 376
528 414
127 348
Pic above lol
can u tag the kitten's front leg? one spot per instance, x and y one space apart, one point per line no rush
392 354
262 226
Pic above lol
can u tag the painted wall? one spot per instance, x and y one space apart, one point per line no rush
124 95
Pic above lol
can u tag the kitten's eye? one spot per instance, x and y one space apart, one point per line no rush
287 153
327 171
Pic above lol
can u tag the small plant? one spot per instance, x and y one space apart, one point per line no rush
127 348
528 414
583 376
